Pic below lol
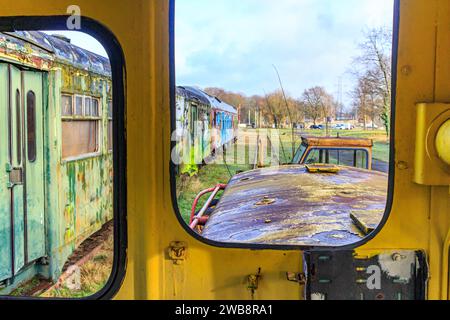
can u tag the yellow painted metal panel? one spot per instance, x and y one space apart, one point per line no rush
419 217
443 142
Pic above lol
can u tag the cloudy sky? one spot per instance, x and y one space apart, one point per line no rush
234 44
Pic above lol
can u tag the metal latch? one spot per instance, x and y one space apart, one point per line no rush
15 176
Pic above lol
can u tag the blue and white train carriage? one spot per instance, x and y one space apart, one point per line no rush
204 125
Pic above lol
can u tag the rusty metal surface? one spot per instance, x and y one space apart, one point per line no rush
289 206
337 142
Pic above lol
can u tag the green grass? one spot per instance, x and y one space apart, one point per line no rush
25 289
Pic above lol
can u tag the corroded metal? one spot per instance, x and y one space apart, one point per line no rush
308 209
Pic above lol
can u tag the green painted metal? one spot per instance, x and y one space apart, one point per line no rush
5 226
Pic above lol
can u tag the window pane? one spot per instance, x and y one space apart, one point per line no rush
110 135
66 105
242 130
79 106
18 128
56 183
31 126
79 137
95 108
110 109
314 156
87 107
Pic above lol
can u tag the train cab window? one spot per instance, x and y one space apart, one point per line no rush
57 193
87 106
296 131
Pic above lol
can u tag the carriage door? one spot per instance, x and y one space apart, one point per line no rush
25 167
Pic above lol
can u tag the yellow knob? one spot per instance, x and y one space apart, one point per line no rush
443 142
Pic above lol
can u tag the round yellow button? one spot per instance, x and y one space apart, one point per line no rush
443 142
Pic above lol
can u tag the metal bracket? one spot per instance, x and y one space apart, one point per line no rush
178 252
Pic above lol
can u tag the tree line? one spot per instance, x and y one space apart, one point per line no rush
371 95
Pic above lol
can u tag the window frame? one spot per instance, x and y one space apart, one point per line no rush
30 117
98 119
392 169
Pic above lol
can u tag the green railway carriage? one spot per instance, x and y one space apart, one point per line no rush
55 153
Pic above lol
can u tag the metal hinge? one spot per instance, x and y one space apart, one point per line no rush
178 252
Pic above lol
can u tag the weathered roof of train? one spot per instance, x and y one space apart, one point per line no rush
56 49
289 206
191 94
214 101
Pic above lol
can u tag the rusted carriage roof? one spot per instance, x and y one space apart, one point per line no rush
337 142
29 44
289 206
